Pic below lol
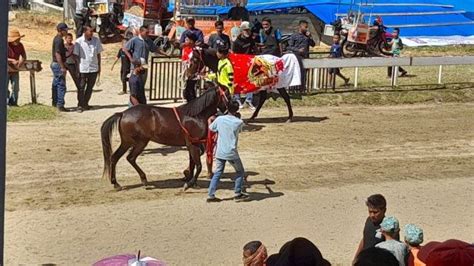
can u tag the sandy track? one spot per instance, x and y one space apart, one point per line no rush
307 178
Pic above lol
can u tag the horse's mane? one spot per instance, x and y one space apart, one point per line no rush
198 105
210 58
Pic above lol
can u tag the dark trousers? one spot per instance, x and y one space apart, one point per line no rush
389 70
80 22
84 93
123 77
144 76
190 90
302 71
72 69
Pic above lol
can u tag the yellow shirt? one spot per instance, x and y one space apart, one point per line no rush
225 74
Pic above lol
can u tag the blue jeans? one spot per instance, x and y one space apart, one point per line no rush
58 86
14 79
239 180
248 98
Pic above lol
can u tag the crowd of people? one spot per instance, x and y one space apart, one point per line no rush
379 246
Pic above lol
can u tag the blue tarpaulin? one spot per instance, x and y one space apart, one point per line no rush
429 19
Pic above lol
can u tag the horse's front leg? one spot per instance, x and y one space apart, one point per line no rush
188 172
261 100
286 97
195 153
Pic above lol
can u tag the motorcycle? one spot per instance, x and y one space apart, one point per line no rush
106 24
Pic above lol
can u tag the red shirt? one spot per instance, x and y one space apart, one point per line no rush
14 51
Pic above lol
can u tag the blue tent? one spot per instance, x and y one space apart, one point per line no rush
413 17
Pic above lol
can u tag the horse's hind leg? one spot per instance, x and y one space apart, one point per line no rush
286 97
113 163
132 159
188 172
196 159
261 101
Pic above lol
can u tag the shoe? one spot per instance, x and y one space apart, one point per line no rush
62 109
251 107
241 197
122 93
213 199
79 109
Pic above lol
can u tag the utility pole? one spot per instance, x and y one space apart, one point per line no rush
4 7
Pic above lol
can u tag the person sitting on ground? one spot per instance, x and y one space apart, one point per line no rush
228 128
377 206
375 257
390 228
396 47
254 254
336 52
298 252
137 93
219 38
413 239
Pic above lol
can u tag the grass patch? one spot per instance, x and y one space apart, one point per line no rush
31 112
382 97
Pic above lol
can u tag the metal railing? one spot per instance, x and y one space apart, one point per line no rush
166 84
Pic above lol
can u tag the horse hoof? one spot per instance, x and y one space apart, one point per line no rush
117 187
185 187
144 182
289 120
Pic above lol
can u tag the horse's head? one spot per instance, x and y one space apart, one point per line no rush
196 63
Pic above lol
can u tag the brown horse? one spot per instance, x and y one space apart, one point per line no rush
203 57
186 125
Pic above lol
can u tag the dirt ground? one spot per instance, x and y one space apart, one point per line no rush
309 178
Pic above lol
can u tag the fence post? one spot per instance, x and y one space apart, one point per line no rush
440 73
356 78
316 78
33 87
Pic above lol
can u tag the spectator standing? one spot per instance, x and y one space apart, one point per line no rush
137 93
58 66
87 49
190 29
396 45
124 67
336 52
377 206
413 239
270 38
139 47
219 38
228 128
71 61
16 58
299 44
189 92
245 44
80 16
225 70
390 229
238 12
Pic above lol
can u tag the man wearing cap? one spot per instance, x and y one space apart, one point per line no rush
390 228
58 67
16 58
87 49
191 29
219 38
413 239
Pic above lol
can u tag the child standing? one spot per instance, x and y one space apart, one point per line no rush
225 70
390 229
228 128
396 45
137 93
413 238
71 61
336 52
124 68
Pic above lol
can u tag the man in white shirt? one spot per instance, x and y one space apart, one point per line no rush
87 49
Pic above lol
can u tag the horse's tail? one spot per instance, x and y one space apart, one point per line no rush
106 134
